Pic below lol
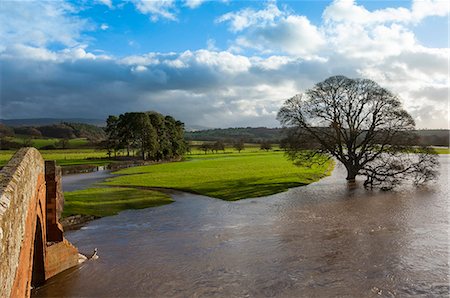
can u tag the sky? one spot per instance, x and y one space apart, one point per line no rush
217 63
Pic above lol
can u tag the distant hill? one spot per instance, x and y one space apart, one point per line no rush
247 134
50 121
196 128
63 130
435 137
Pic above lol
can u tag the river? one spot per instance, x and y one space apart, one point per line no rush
320 240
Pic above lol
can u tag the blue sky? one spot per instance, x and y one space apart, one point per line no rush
216 63
130 32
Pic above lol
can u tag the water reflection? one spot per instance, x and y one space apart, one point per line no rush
320 240
85 180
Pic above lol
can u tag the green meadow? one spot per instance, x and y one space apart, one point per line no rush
228 176
109 201
66 157
442 150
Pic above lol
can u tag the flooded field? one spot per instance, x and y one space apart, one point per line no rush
324 239
85 180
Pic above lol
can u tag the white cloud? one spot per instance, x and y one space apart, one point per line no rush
104 26
349 12
39 23
426 8
211 45
139 68
293 35
248 17
376 43
42 54
157 9
271 30
194 3
106 2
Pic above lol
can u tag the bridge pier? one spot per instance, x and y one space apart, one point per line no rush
32 243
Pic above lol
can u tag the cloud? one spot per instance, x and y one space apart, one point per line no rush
293 35
201 87
274 53
271 30
194 3
211 45
248 17
40 23
104 26
106 2
157 9
433 93
349 12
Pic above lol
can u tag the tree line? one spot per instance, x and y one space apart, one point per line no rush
150 135
237 145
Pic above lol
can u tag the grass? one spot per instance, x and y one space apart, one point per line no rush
110 201
442 150
66 157
229 176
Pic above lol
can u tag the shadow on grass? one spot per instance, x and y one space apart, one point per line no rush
244 188
229 190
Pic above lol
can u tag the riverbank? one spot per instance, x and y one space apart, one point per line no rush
107 201
230 176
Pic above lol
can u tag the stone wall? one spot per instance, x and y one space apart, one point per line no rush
26 205
19 184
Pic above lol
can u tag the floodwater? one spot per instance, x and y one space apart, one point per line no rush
85 180
320 240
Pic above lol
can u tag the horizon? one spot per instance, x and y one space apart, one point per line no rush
188 129
217 64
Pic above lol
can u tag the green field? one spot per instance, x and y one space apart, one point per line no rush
69 157
442 150
109 201
66 157
229 176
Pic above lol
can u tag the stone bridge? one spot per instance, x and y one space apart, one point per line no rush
32 243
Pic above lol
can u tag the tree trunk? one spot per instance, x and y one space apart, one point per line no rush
351 177
351 173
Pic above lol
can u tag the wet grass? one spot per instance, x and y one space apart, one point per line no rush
228 176
109 201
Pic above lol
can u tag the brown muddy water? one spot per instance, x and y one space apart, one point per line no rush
320 240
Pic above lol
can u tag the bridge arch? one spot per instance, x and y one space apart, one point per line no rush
38 267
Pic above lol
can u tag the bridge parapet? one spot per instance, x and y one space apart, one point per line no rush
32 246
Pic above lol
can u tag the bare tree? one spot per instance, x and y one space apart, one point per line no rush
265 145
218 145
205 147
239 145
360 124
